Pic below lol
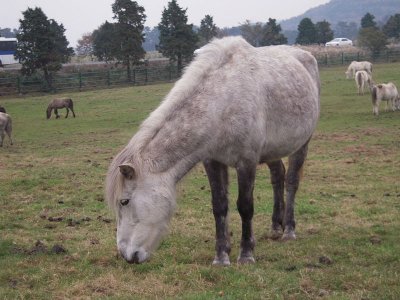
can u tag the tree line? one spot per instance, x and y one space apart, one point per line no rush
43 47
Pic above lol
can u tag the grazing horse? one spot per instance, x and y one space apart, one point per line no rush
5 127
235 105
358 66
363 78
60 103
2 109
385 92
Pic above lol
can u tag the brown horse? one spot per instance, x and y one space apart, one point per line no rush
60 103
2 109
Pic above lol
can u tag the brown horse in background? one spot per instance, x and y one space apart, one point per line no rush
60 103
2 109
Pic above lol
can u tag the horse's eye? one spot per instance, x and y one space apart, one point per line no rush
124 202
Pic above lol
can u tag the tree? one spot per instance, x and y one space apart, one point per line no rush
373 39
177 38
207 31
85 45
252 33
368 21
307 32
104 41
150 38
344 29
129 33
324 32
41 45
392 26
271 34
8 33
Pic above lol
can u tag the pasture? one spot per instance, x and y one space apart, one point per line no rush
57 236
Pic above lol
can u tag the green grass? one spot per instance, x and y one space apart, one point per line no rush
347 207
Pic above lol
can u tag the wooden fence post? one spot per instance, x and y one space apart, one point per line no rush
19 85
108 78
342 58
80 80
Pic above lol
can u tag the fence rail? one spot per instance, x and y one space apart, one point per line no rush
80 81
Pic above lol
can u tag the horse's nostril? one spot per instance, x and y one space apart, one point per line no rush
135 257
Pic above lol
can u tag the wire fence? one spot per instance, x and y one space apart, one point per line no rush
13 84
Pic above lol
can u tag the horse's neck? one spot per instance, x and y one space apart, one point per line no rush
174 149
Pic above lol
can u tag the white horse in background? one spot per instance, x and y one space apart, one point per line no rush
235 105
363 79
385 92
358 66
5 127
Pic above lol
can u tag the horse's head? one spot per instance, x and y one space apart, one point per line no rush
348 74
144 206
48 112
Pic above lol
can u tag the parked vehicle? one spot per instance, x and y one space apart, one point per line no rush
339 42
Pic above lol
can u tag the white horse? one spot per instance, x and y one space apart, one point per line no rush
5 127
236 106
358 66
363 79
385 92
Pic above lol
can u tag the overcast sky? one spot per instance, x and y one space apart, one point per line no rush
81 16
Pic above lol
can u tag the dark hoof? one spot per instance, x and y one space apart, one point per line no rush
221 260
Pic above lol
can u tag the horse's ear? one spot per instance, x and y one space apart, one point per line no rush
127 170
379 86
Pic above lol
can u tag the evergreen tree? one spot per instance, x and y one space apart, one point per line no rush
368 21
104 42
207 31
373 39
324 32
177 38
307 32
41 45
271 34
392 26
128 33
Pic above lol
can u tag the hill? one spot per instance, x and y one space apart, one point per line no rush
348 11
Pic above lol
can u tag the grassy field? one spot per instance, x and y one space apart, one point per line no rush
57 236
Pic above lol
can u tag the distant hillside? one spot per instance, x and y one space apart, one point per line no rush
346 11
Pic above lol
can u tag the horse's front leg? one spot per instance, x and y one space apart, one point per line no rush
56 113
246 176
296 162
218 177
277 171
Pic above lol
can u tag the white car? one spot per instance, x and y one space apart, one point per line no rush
338 42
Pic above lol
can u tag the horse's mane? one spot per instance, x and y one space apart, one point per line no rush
211 57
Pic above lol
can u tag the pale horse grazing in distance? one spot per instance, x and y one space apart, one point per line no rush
235 105
363 80
358 66
385 92
5 127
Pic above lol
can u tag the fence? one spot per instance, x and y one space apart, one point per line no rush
79 81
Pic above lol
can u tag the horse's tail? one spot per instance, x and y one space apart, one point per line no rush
374 94
359 78
8 127
70 103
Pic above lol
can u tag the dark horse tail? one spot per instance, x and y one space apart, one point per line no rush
374 94
359 79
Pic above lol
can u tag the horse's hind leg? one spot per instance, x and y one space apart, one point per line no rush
66 116
277 171
218 177
246 176
296 161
